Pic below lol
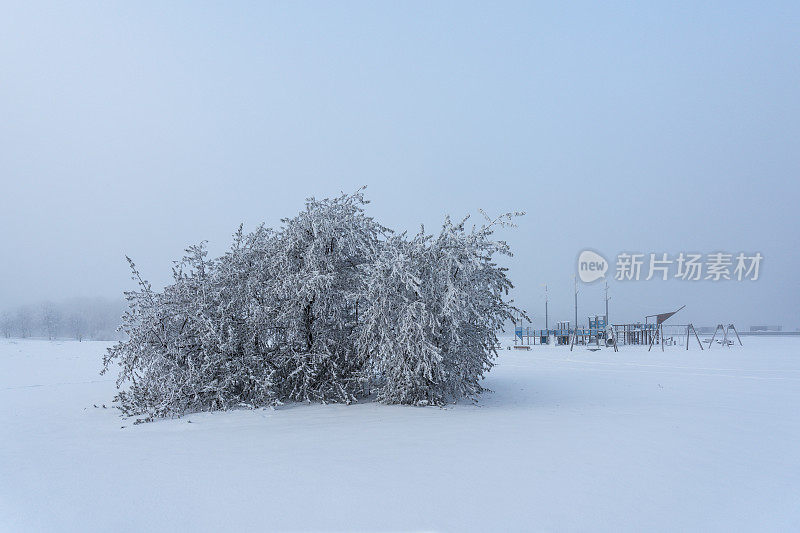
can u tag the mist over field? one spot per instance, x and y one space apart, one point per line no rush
142 129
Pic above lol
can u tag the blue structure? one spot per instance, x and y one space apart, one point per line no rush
562 332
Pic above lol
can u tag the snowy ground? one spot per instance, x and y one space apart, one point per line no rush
567 441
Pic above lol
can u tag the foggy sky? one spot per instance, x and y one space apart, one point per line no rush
141 128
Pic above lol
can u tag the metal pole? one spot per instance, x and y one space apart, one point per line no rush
576 305
737 334
697 337
546 325
714 336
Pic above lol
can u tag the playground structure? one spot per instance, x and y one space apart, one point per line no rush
653 331
651 334
563 333
725 340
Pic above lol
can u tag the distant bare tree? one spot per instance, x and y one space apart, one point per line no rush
82 318
23 322
6 324
77 326
51 319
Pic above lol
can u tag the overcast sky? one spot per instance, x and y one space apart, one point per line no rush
140 128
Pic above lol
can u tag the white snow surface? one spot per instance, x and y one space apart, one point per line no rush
567 441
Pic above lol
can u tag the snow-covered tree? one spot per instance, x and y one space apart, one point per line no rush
187 347
327 308
396 333
319 283
433 310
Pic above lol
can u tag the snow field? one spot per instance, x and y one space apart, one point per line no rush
565 442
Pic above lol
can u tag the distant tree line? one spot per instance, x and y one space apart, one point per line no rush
76 318
330 307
